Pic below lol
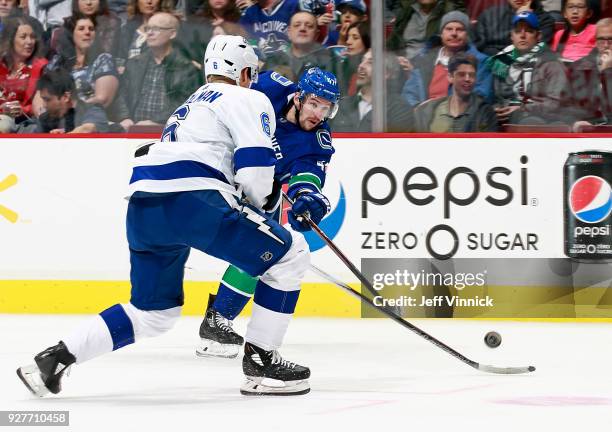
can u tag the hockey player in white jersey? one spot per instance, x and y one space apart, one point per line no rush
201 186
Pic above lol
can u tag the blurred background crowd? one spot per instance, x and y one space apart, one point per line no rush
114 66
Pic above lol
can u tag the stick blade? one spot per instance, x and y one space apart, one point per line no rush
506 370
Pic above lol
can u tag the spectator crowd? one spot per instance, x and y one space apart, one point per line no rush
114 66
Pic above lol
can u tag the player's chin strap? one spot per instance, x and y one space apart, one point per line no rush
390 313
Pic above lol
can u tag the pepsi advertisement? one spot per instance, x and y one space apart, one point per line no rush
525 222
496 227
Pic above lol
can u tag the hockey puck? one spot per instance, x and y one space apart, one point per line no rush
493 339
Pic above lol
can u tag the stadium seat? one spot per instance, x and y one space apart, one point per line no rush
546 128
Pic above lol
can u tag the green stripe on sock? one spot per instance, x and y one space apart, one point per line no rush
240 280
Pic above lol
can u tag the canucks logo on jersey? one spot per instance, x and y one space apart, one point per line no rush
324 138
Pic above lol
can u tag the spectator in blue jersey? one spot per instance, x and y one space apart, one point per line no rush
267 22
429 77
462 111
158 80
64 112
304 52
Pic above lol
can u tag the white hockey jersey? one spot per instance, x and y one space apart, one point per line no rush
220 139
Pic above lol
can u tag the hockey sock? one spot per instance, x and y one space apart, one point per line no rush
106 332
235 290
272 311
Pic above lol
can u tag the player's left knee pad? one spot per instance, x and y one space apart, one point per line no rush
152 323
288 272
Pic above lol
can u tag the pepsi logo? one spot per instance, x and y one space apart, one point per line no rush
590 199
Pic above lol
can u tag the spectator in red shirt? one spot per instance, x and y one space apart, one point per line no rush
20 67
578 38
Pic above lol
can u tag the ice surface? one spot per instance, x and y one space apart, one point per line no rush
368 374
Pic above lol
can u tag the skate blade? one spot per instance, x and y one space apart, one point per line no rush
209 348
257 386
30 376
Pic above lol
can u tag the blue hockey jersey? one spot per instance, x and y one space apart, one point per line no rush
269 29
302 157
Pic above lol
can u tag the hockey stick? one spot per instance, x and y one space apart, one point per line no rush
389 313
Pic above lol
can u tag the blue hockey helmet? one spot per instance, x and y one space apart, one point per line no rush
322 84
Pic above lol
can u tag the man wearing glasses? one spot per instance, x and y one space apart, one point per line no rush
591 82
158 80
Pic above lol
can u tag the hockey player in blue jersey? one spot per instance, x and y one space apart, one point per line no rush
202 186
303 149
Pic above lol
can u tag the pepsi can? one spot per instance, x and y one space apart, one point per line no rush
587 205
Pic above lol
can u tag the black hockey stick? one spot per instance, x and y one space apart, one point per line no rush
389 313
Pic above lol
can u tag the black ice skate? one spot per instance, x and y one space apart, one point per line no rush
268 374
218 337
46 374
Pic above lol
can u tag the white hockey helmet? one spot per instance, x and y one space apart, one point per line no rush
227 55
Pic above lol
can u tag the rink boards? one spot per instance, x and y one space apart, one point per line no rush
490 199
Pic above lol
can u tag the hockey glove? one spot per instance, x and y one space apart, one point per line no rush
313 204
